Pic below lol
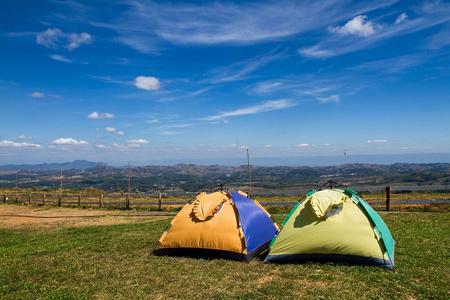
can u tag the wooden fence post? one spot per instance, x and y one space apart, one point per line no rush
59 200
17 197
79 200
4 198
127 204
388 198
29 199
160 201
43 200
101 201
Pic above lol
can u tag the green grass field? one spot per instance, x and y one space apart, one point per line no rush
115 262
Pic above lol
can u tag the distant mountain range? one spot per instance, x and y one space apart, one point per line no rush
191 177
77 165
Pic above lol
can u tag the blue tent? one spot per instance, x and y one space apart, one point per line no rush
256 224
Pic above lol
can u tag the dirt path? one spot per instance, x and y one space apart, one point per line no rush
22 216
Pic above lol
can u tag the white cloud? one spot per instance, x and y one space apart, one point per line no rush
60 58
50 37
302 145
101 146
233 145
359 26
326 144
68 141
401 18
243 147
315 52
332 98
53 37
95 115
37 95
110 129
78 39
120 133
23 137
147 83
376 141
267 106
152 121
268 146
6 143
137 143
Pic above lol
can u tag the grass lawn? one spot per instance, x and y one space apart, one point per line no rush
114 262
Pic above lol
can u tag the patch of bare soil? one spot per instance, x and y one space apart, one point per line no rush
48 218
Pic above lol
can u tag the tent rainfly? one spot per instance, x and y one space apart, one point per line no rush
333 225
224 225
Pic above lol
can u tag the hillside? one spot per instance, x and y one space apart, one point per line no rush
189 177
77 164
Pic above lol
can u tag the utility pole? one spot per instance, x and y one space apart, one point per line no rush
60 191
249 176
129 180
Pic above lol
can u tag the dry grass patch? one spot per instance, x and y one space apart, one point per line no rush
54 218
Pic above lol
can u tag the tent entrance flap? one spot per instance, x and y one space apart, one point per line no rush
205 208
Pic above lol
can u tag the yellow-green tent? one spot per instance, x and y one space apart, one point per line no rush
333 225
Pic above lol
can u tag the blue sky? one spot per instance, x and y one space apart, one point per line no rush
120 81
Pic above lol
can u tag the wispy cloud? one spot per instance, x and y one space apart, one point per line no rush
265 107
401 18
77 39
239 70
439 40
143 25
360 33
322 90
54 38
185 96
60 58
332 98
109 79
392 65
